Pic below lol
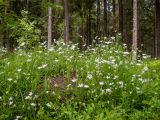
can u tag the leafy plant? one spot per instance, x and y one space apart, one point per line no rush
24 31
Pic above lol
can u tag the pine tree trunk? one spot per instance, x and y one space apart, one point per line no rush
157 29
6 31
105 18
27 5
114 18
57 1
49 27
135 30
89 40
66 22
98 20
121 19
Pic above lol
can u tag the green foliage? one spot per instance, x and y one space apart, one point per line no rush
109 86
24 31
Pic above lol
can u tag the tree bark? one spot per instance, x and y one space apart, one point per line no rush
98 20
157 29
57 1
49 27
114 17
121 19
6 30
105 18
135 30
89 40
27 6
66 22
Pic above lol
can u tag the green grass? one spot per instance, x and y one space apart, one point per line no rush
109 86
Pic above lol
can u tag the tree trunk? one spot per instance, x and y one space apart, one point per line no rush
57 1
89 40
6 30
66 22
157 29
27 6
98 20
139 46
49 27
114 17
135 30
121 18
105 18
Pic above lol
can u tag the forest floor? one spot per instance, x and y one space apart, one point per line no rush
100 83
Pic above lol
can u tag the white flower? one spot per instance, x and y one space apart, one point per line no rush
15 81
28 98
138 64
145 68
22 44
30 93
80 85
39 51
115 77
89 76
86 86
74 80
107 77
108 90
18 117
9 79
105 38
43 66
0 98
121 84
11 102
119 34
112 37
49 105
101 83
28 60
33 104
73 47
108 42
19 70
56 60
11 98
126 53
111 83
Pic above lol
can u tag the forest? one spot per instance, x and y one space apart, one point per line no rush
79 59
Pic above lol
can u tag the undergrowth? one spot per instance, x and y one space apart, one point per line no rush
109 85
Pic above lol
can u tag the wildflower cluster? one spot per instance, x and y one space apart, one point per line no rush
106 78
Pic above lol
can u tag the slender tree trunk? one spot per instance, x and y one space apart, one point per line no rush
89 40
27 6
109 9
135 30
6 31
139 30
121 18
57 1
98 20
114 17
157 29
49 27
105 18
66 22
